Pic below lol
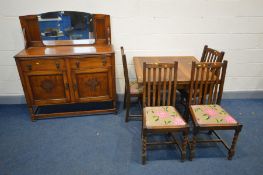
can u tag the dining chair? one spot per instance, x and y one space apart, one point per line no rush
211 55
132 89
205 93
208 55
159 113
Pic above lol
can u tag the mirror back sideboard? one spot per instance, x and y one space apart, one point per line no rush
67 77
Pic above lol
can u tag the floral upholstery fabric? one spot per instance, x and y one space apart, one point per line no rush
162 116
212 114
135 88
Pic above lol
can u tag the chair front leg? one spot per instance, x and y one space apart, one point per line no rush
128 101
144 146
125 98
231 151
184 143
187 112
193 143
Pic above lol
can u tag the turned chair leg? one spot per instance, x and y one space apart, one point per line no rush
231 151
128 101
193 144
184 143
124 100
144 146
186 113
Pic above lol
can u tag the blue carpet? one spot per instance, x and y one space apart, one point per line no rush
105 144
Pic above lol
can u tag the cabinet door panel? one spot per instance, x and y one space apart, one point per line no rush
47 87
92 84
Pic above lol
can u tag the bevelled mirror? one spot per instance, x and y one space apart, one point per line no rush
62 26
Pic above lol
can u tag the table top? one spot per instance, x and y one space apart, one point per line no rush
184 66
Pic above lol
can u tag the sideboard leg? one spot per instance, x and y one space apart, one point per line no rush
32 114
115 107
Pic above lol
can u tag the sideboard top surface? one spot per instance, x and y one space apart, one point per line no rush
64 51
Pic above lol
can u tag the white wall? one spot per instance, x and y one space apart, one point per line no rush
155 27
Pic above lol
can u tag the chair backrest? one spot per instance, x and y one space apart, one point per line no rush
211 55
159 84
207 82
125 70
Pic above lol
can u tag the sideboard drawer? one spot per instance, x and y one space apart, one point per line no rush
42 65
89 62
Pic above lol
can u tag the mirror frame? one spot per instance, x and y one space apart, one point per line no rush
32 35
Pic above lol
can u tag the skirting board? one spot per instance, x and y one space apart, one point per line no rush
20 99
243 94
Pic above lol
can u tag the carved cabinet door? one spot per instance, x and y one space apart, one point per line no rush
94 84
47 87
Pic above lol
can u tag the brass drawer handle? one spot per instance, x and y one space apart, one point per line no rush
104 60
77 64
57 65
29 67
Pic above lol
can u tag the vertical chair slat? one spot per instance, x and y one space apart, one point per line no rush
149 87
207 57
159 86
154 86
211 90
201 84
164 86
169 86
215 58
211 57
217 76
196 83
206 85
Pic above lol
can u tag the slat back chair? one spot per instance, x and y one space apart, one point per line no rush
211 55
132 89
159 113
208 55
205 93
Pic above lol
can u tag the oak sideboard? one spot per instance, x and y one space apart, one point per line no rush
67 77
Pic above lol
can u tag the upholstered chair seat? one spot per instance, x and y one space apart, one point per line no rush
211 115
160 116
